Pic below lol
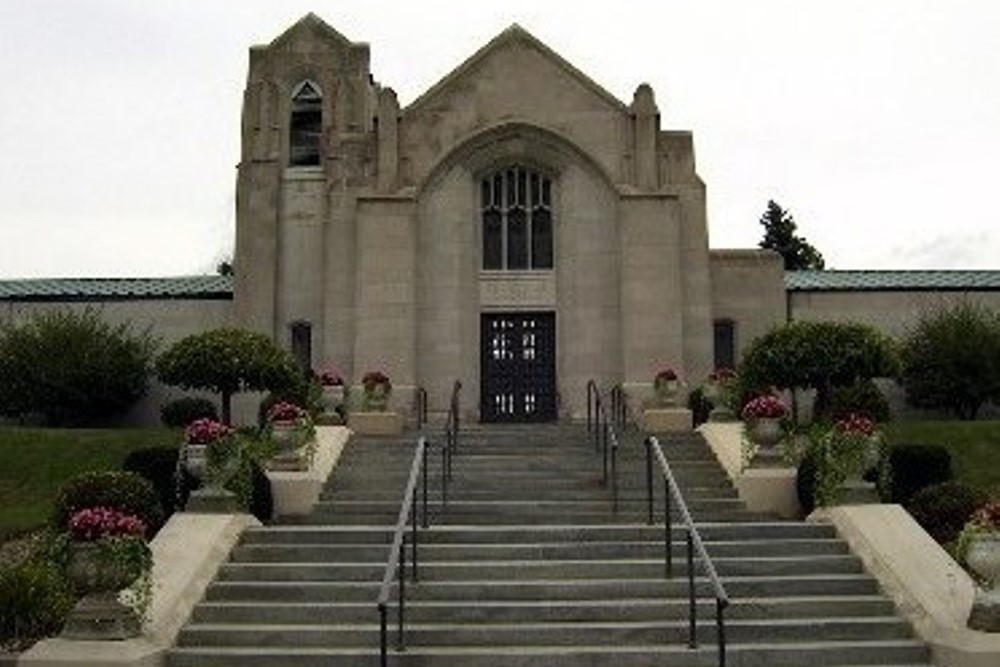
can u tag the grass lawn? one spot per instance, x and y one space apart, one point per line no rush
37 461
974 447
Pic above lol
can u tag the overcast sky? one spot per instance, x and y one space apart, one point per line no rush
875 122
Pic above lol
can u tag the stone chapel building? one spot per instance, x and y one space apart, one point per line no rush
516 226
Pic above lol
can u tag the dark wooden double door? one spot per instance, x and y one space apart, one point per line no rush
518 367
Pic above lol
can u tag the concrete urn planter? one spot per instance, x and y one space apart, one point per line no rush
377 398
99 615
286 435
765 432
983 558
666 392
332 400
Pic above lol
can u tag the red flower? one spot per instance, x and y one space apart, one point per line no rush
722 374
96 523
285 412
330 377
987 516
764 407
205 430
665 374
373 378
856 424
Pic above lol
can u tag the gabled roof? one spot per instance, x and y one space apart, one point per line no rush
117 289
309 23
513 34
890 281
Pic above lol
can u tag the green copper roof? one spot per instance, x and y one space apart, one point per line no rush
853 281
86 289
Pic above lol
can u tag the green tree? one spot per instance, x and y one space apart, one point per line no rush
72 368
818 355
951 359
779 235
227 361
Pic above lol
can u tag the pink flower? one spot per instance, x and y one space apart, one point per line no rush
665 374
722 374
205 430
97 523
373 378
856 424
764 407
987 516
330 377
285 412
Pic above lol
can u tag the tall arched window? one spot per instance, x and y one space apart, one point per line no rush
516 206
305 126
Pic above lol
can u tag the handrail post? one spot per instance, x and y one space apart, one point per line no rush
614 476
668 524
423 455
692 604
649 480
413 530
444 474
590 399
400 609
383 636
720 629
604 446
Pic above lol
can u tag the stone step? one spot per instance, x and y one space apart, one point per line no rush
595 518
545 589
524 611
276 553
710 532
544 634
512 570
886 653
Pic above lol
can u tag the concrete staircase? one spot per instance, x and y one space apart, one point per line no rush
528 566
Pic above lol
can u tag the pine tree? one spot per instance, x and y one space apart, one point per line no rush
779 235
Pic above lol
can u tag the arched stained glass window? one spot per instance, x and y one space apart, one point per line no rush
305 126
516 207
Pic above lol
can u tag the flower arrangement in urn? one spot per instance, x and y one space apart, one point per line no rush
666 384
719 392
843 453
763 415
377 388
289 427
107 552
211 453
333 389
979 549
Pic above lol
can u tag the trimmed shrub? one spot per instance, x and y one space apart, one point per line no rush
35 597
125 491
227 361
805 483
861 397
699 406
952 359
181 412
72 368
158 466
913 467
943 509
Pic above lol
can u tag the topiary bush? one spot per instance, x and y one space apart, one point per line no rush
125 491
943 509
861 397
158 466
182 411
72 368
805 483
35 598
227 361
699 406
913 467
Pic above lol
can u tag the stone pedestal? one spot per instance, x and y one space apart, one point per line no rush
375 423
101 616
212 501
858 492
667 420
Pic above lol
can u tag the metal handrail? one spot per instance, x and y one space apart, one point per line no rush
694 543
421 408
602 433
620 409
395 568
452 427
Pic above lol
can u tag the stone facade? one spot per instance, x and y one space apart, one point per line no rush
376 248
